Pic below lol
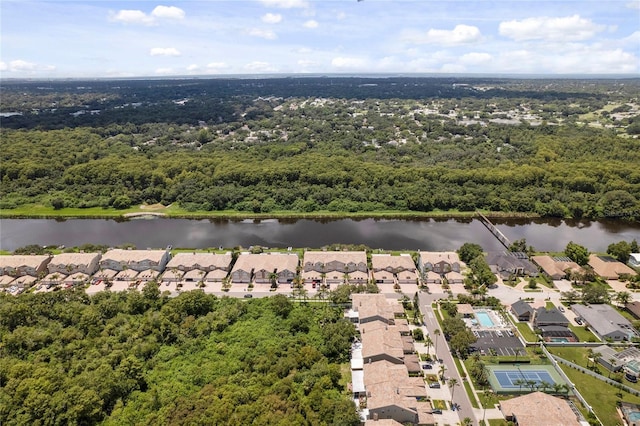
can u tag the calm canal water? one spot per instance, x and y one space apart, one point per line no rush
426 235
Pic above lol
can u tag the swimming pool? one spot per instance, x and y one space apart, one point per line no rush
485 319
559 339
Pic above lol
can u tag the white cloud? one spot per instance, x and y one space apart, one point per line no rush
258 66
272 18
164 51
311 24
304 50
633 39
3 66
570 28
193 67
168 12
347 62
20 65
164 71
475 58
286 4
341 16
217 65
132 17
634 5
461 34
266 34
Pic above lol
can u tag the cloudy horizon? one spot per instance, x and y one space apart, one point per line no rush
105 39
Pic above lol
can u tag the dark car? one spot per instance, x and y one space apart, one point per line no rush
435 385
437 411
248 296
578 321
427 366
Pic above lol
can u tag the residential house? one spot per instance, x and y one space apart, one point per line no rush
148 275
5 280
55 278
194 275
172 276
440 262
634 260
634 308
608 357
206 262
216 276
105 275
454 277
335 267
70 263
506 263
466 310
21 265
77 278
522 310
126 275
556 267
609 268
539 408
432 278
605 322
394 269
375 307
544 317
137 260
265 267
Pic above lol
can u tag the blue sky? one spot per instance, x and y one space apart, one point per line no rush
151 38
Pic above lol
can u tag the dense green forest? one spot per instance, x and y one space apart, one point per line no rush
143 358
549 147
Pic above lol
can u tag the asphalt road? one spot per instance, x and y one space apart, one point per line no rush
460 396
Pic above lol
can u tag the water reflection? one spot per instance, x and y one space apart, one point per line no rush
391 234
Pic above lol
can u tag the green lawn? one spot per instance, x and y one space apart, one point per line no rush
601 396
582 334
526 332
439 403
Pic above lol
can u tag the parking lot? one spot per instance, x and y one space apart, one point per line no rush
503 342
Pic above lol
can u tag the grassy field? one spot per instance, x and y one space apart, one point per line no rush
601 396
526 332
583 335
39 210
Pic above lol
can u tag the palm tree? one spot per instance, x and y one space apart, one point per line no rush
428 342
557 387
273 277
545 386
519 382
612 362
589 356
453 382
531 384
623 298
467 421
443 368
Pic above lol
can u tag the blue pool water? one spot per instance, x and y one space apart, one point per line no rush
485 319
634 416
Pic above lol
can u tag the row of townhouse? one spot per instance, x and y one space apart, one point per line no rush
318 267
386 381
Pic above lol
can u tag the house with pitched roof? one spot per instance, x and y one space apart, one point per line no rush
522 310
262 268
70 263
21 265
137 260
440 262
506 263
335 267
388 269
556 267
605 322
539 408
609 268
203 261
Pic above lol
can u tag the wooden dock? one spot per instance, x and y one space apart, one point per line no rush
494 230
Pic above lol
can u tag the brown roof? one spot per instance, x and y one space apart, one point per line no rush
379 338
16 261
609 268
266 261
341 256
634 308
538 408
555 267
120 255
465 309
74 259
382 422
439 256
371 305
389 384
204 260
382 261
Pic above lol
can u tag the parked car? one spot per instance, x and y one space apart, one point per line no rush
560 308
427 366
435 385
248 296
578 321
436 411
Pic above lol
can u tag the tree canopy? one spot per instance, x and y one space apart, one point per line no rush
143 358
